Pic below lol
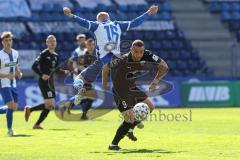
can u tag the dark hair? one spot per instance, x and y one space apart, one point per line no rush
90 40
138 43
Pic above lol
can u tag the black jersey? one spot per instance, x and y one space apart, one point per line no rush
125 69
123 74
45 63
86 60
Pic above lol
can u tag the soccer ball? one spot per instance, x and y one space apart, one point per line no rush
141 111
110 46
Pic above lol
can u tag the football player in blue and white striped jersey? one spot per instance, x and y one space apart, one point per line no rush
9 69
107 34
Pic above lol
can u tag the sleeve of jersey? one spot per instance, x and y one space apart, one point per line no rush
74 56
35 66
90 25
154 58
138 21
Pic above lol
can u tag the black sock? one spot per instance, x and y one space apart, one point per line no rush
121 132
37 108
43 116
86 105
89 104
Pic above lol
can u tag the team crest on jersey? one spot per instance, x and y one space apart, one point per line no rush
155 58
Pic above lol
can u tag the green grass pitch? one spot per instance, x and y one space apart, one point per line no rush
211 134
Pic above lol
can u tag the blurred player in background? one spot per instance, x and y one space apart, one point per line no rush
44 65
125 90
82 62
79 51
107 34
8 71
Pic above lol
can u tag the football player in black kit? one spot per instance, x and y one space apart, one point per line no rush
82 62
126 92
44 65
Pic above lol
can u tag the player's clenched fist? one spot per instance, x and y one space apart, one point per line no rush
152 10
67 11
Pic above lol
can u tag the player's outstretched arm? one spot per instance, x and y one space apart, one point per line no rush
92 26
139 20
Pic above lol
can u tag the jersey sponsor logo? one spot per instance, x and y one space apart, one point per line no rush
11 64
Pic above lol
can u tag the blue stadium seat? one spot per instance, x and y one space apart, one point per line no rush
187 44
177 44
185 55
166 6
101 7
155 45
57 7
234 26
192 65
236 16
174 55
195 55
44 16
48 7
226 16
149 35
225 6
235 6
188 73
171 64
166 45
56 16
180 35
165 16
177 73
181 65
35 17
170 35
160 35
214 6
164 54
238 36
36 37
33 45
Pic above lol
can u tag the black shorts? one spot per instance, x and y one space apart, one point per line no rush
47 88
126 99
88 86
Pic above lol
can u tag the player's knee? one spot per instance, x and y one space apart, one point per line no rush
12 105
15 107
49 104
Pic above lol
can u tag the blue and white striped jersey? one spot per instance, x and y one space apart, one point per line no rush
109 32
8 62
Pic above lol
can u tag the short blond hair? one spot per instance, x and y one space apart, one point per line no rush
50 36
6 34
103 13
